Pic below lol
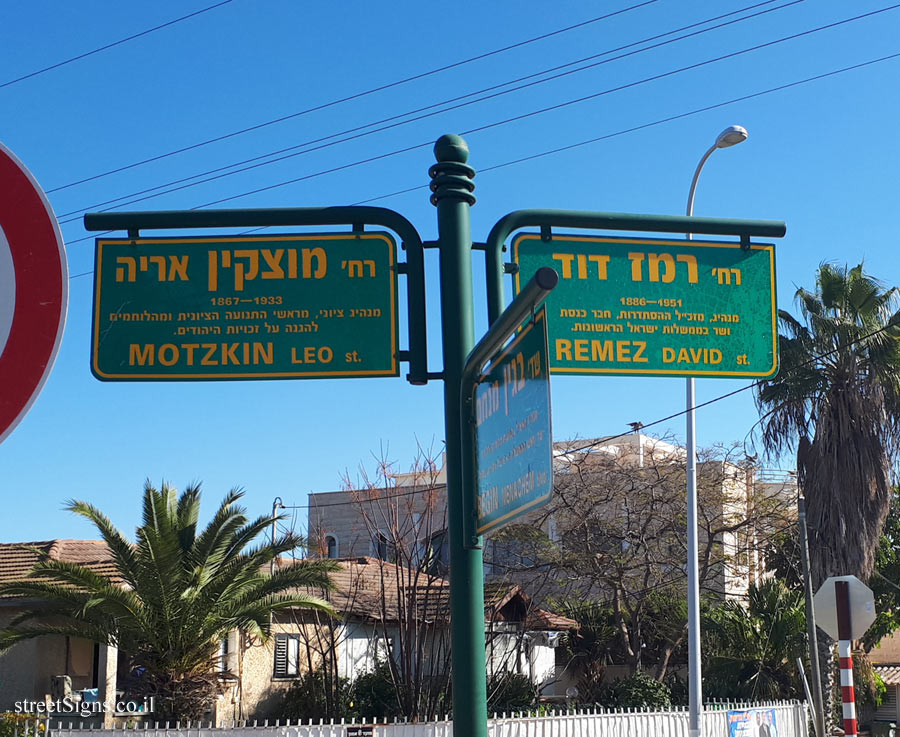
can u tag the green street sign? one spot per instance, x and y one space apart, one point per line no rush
245 307
514 461
657 307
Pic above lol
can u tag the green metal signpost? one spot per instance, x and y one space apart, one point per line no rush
247 307
188 317
657 307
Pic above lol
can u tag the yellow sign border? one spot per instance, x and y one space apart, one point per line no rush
770 248
392 250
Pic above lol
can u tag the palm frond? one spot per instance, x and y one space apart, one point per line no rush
836 401
121 548
182 589
10 637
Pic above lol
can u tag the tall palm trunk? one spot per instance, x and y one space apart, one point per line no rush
830 701
836 399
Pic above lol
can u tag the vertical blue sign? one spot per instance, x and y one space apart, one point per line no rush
514 461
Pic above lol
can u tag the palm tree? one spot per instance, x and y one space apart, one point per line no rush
752 652
837 401
176 592
590 648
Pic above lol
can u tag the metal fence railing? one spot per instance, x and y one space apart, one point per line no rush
790 719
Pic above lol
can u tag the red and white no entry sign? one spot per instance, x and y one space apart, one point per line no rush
33 290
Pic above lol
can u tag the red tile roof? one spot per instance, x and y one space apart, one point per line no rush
17 559
374 589
890 674
365 587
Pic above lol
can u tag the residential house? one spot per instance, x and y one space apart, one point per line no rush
27 671
885 659
386 611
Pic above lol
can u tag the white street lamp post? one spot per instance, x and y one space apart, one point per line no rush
729 137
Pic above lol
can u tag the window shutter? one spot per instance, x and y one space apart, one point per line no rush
280 656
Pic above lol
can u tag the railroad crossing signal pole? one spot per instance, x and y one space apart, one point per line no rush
452 187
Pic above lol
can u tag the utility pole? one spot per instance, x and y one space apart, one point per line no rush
815 672
275 505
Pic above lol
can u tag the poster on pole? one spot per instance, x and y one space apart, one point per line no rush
752 723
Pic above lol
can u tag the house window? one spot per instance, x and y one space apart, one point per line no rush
95 666
331 546
438 554
223 654
287 656
383 548
383 648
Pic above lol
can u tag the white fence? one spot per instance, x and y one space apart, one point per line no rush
791 720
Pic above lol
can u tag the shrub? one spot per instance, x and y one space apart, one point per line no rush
316 695
678 688
374 694
507 693
22 725
637 691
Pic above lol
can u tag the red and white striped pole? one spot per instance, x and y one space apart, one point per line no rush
848 697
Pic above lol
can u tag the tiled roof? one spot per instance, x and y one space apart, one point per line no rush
17 559
541 619
890 674
365 587
370 588
497 593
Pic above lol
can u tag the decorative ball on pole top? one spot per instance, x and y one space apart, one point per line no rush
451 147
451 176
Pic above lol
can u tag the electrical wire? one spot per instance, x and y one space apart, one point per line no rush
108 46
607 439
487 126
811 361
549 152
718 398
361 132
689 67
357 95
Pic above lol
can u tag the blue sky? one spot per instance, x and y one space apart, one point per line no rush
821 156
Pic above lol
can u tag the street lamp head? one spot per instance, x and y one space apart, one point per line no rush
731 136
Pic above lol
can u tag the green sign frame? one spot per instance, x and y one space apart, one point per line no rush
657 307
281 306
513 431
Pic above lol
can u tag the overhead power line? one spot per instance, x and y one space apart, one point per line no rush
112 45
357 95
754 384
395 121
607 439
720 397
495 124
548 152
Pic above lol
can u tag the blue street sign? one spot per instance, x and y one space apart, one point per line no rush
514 462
